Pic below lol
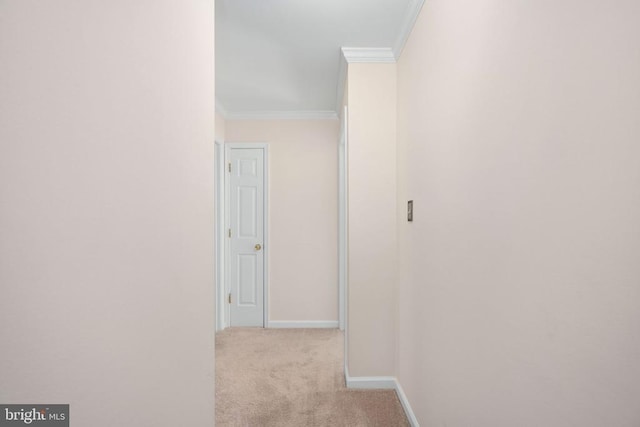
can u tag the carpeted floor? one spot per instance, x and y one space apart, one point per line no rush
293 377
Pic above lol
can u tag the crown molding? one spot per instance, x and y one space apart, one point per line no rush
274 115
354 55
410 15
282 115
368 54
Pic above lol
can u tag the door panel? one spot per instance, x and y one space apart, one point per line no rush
247 212
246 281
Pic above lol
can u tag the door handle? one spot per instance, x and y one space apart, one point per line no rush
258 247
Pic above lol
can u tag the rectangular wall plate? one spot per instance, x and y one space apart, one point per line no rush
410 211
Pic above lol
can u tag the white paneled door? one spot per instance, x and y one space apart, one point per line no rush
246 236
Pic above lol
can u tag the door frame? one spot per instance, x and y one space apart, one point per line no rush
222 314
224 242
343 208
343 233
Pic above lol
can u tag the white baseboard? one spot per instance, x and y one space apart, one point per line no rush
366 383
388 383
330 324
406 406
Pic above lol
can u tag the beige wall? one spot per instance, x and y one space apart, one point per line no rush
519 279
372 218
221 125
106 209
303 214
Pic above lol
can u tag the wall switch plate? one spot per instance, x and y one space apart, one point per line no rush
410 211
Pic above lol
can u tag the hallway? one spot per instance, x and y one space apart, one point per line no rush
293 377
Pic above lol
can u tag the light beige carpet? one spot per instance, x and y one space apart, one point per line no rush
293 377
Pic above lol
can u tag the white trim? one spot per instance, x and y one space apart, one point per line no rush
368 55
383 383
265 245
222 315
281 115
345 294
343 215
404 401
369 383
265 320
411 14
277 324
227 243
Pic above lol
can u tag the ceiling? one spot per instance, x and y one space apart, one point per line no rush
282 57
